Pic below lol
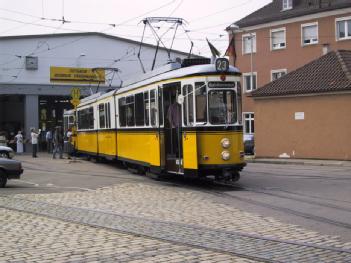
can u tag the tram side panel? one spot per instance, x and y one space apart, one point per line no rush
87 142
107 144
190 153
139 147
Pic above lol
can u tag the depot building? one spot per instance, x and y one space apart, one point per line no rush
39 72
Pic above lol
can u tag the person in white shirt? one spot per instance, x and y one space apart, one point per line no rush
19 141
34 135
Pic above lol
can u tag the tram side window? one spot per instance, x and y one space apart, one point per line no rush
122 112
160 103
201 102
147 108
86 119
188 109
108 115
91 118
153 107
70 122
102 115
130 112
139 109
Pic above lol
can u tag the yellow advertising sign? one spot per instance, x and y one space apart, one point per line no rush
77 75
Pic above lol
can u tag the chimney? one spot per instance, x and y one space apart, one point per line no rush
325 49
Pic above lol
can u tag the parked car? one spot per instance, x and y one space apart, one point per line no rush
6 152
9 169
249 145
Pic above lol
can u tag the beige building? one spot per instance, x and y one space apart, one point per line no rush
307 113
283 36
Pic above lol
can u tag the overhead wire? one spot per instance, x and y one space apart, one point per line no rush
120 24
221 11
67 43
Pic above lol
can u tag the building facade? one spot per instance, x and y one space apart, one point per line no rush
283 36
38 72
306 113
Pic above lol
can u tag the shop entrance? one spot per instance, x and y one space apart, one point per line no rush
51 110
11 117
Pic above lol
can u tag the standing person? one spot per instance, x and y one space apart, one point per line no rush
19 142
69 143
34 135
58 142
48 137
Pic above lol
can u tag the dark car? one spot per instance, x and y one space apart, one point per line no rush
6 152
249 146
9 169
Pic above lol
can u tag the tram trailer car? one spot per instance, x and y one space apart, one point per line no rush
182 118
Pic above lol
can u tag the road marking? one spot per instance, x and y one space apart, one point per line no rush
27 182
56 186
68 187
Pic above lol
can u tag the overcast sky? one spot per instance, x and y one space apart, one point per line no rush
205 19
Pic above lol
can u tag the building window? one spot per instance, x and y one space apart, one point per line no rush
250 81
278 40
249 122
343 28
249 43
278 73
287 4
309 34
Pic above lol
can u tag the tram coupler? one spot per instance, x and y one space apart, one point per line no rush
228 176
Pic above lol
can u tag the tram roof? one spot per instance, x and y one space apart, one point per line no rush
174 74
170 71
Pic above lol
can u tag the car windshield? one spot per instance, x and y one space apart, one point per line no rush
222 107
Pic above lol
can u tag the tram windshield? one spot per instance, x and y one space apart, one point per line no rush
222 107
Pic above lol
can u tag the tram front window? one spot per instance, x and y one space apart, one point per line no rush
222 107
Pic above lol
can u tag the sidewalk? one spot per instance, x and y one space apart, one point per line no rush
252 159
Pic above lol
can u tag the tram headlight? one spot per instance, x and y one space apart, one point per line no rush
225 142
225 155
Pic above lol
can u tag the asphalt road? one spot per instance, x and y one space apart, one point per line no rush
315 197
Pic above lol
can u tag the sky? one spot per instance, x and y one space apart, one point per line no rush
201 19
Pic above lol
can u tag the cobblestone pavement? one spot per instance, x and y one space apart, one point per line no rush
31 238
185 220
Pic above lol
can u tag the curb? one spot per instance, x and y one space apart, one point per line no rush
302 162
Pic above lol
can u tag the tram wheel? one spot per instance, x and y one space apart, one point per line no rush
154 176
235 176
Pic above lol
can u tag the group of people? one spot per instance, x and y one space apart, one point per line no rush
55 141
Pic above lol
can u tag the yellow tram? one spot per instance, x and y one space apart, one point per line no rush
181 118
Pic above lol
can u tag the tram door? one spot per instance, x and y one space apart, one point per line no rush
173 148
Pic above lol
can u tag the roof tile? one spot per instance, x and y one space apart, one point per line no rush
274 11
329 73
